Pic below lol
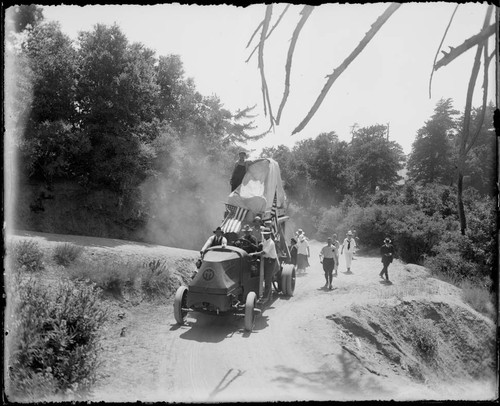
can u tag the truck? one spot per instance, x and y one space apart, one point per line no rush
229 279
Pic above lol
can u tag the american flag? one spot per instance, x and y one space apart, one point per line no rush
274 217
233 219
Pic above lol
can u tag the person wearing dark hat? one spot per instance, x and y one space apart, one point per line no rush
270 258
257 224
239 170
327 258
214 240
387 252
248 242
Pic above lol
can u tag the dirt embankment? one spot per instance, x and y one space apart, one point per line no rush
413 339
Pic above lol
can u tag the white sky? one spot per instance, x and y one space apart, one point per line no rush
387 83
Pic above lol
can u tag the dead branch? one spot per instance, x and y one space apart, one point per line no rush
485 100
342 67
439 48
468 43
265 90
306 12
253 35
270 31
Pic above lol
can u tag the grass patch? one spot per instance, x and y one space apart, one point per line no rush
65 254
479 298
156 279
28 256
111 276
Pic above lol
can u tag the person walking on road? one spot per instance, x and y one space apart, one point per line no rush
303 253
327 258
349 246
387 253
336 243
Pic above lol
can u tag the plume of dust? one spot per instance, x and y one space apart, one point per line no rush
184 214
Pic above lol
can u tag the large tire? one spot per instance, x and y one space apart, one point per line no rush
249 311
288 279
180 303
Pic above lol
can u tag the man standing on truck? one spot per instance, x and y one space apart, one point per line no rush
270 258
239 170
214 240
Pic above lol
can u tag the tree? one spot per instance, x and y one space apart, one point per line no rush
374 159
27 16
116 96
431 157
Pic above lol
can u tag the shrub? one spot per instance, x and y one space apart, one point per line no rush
156 279
110 276
28 256
55 340
65 254
424 338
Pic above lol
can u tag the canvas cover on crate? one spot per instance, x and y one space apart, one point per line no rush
259 186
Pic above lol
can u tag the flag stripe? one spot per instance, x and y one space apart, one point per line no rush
232 222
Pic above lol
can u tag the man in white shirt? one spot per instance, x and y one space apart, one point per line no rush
327 258
214 240
270 258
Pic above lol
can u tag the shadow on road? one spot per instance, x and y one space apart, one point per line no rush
327 382
212 328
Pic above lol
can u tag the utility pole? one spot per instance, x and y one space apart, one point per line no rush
353 128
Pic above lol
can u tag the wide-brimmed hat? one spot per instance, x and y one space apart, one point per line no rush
257 218
387 240
218 229
349 232
300 231
265 230
246 227
242 152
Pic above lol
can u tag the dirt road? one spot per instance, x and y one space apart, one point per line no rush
291 354
298 350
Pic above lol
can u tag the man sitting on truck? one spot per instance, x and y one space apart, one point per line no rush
248 242
214 240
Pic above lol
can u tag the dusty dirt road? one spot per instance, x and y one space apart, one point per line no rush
291 354
294 353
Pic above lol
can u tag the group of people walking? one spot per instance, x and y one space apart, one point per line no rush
331 252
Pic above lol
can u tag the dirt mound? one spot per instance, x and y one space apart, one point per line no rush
436 340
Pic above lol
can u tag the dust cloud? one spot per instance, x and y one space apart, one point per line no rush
188 202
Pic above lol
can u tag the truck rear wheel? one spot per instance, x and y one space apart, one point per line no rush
180 303
249 310
288 279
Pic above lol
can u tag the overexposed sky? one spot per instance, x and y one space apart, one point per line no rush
387 83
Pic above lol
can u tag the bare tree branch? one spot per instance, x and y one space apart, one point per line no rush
306 12
487 60
270 32
253 35
337 72
468 43
265 90
439 48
